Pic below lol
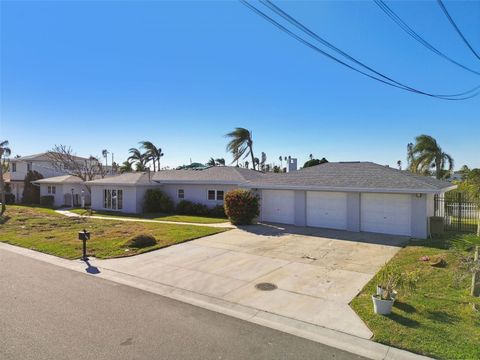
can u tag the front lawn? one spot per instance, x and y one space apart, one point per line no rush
46 231
438 319
154 216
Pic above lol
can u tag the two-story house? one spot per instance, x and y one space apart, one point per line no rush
19 167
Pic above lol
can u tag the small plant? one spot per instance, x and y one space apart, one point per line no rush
141 241
241 206
392 279
156 201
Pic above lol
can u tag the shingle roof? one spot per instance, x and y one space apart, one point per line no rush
64 179
40 157
353 176
365 176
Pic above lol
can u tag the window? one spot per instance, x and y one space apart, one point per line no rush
54 189
29 166
49 190
113 199
181 194
211 195
215 195
14 167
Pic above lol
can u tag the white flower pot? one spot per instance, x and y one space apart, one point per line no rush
382 307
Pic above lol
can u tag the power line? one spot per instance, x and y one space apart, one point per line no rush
393 83
445 11
387 10
306 30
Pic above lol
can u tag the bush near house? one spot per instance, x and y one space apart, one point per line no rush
47 200
9 199
186 207
31 193
241 206
156 201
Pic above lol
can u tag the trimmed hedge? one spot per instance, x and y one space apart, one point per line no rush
47 200
241 206
185 207
156 201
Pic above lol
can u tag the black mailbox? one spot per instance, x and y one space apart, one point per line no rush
83 235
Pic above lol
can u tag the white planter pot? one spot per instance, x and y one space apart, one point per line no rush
382 307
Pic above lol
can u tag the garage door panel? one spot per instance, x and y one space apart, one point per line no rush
386 213
278 206
327 209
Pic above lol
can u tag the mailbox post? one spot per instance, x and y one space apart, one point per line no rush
84 236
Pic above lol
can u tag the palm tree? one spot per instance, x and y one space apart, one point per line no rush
211 162
152 153
399 164
138 158
241 144
4 152
220 161
105 153
263 161
310 156
126 167
281 161
426 154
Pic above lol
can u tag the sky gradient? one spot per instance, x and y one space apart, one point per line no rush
97 75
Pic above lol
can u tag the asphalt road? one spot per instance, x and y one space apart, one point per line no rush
48 312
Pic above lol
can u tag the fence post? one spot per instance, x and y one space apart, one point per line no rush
476 274
459 221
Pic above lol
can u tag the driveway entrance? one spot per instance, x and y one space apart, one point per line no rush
311 274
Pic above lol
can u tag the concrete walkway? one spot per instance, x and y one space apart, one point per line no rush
325 334
68 213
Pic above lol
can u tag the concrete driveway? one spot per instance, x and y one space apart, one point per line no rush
317 272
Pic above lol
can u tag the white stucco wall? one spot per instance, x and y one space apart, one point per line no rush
196 193
129 198
61 190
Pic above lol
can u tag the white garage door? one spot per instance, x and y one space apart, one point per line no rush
327 209
278 206
386 213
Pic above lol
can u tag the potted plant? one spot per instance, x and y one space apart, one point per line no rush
391 280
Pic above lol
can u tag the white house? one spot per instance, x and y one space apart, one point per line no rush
19 167
67 190
353 196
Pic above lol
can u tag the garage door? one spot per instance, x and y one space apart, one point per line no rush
278 206
386 213
327 209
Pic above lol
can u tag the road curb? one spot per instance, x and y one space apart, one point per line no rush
329 337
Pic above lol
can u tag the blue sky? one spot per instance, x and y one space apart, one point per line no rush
97 75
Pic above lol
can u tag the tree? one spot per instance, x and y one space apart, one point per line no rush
138 158
4 153
426 154
220 161
126 167
471 186
241 144
399 164
152 153
281 161
263 161
464 171
105 153
211 162
310 156
257 163
31 193
313 162
63 159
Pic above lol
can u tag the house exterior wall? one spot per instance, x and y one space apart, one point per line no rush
43 167
300 208
353 211
129 198
195 193
419 216
65 189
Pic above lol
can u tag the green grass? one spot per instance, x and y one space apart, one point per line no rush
46 231
154 216
438 318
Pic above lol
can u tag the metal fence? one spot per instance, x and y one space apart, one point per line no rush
459 212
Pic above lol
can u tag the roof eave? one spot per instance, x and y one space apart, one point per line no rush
353 189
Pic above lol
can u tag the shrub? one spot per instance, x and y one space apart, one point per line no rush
47 200
184 207
9 199
156 201
218 211
141 241
241 206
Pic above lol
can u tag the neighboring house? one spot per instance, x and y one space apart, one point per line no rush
19 167
354 196
64 189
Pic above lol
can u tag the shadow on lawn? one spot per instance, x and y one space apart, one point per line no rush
402 320
404 307
441 316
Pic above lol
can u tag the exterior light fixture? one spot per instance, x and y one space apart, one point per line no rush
418 195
